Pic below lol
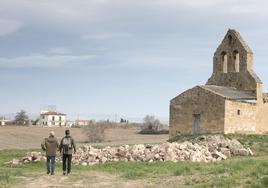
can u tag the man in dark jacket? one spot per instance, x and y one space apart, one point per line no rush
67 148
50 145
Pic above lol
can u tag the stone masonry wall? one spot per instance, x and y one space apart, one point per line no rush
240 117
241 80
262 119
196 101
232 65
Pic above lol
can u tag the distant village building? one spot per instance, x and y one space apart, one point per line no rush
232 101
70 123
52 118
80 122
4 121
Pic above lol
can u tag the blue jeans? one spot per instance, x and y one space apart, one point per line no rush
50 163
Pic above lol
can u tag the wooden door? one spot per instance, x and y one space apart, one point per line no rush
196 124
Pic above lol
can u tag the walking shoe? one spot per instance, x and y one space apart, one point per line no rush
52 173
48 172
64 173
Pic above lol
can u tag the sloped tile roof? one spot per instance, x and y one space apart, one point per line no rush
53 113
229 92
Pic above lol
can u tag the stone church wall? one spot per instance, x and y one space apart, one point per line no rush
240 117
196 101
262 119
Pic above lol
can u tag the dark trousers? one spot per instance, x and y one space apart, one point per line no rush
50 164
66 160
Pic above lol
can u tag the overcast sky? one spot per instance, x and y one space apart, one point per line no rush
97 58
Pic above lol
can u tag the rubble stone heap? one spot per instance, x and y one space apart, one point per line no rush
201 149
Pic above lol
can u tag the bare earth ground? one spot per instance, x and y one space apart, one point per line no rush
90 179
31 137
93 179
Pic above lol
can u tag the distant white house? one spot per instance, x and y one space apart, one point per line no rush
52 118
4 121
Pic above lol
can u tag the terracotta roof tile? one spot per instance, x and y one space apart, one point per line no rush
53 113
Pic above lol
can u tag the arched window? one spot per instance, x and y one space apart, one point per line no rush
224 62
236 61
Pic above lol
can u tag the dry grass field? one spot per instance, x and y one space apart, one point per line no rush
31 137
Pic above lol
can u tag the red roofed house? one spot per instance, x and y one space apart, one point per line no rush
52 118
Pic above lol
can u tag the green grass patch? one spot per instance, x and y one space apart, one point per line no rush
229 173
257 143
8 172
5 178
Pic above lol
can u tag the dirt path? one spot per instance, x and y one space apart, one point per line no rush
88 179
94 179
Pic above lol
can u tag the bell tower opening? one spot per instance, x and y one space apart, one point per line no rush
224 62
236 61
232 65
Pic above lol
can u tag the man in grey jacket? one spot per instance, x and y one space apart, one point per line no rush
67 148
50 145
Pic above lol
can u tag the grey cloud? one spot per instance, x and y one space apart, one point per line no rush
9 26
80 16
156 27
104 36
59 50
44 61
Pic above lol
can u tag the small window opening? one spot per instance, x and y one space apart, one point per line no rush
238 112
224 62
236 61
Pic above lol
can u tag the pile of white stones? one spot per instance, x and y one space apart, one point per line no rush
201 149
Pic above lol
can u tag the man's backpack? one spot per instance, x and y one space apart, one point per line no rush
67 144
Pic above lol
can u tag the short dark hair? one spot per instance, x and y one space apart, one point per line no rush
67 132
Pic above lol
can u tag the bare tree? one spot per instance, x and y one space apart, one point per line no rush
151 123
